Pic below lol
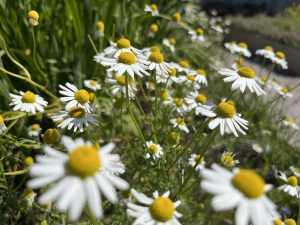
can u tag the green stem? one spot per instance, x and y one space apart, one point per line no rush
92 43
91 216
19 172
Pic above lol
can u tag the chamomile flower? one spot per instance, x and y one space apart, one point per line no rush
153 150
152 9
176 17
200 76
198 102
74 96
242 49
2 125
34 130
170 43
165 97
242 78
75 118
291 185
78 177
198 161
267 52
280 59
147 51
295 170
92 84
197 35
29 195
244 190
225 116
238 63
183 66
290 122
152 30
160 210
28 102
257 148
283 91
218 27
150 85
179 105
190 79
285 222
126 62
100 28
33 17
156 62
231 46
119 85
227 159
180 123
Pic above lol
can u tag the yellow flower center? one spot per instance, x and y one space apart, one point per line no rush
231 102
123 43
290 120
121 80
33 15
28 161
191 77
180 121
200 31
280 55
164 95
297 170
77 112
184 64
82 96
293 181
243 45
277 222
172 41
246 71
154 49
265 79
239 61
1 120
199 159
35 127
249 183
93 82
126 194
201 72
233 42
200 98
162 209
225 110
28 97
127 58
152 149
100 26
153 7
29 193
176 17
285 90
269 48
51 136
156 57
227 159
154 28
289 222
173 72
178 102
92 96
84 161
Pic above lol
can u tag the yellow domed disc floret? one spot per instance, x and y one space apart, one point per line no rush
176 17
269 48
152 149
92 96
82 96
199 159
178 102
191 77
127 58
35 127
200 31
293 181
246 71
285 90
184 64
173 72
153 7
249 183
84 161
225 110
154 27
200 98
28 97
93 82
156 57
123 43
100 26
280 55
154 49
243 45
1 120
51 136
277 222
121 80
172 41
162 209
201 72
77 112
180 121
289 222
164 95
33 17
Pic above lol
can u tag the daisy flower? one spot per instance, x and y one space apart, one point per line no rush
279 59
242 49
74 96
2 125
225 116
267 52
147 51
151 85
92 84
238 63
29 195
183 66
231 46
28 102
180 123
100 28
176 17
34 130
156 62
154 150
291 186
198 102
295 170
153 30
200 76
288 121
115 49
126 62
242 78
285 222
152 9
283 91
218 28
197 35
170 43
244 190
119 85
76 118
190 79
227 159
160 210
197 160
78 176
165 97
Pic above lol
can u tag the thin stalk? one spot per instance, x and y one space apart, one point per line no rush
92 43
91 216
19 172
